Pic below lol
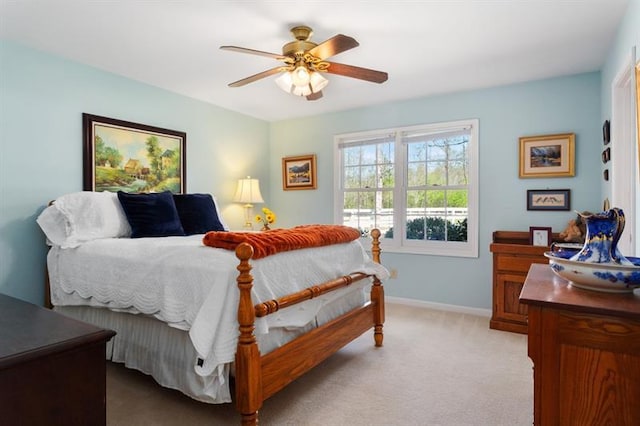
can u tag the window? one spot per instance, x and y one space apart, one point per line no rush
418 185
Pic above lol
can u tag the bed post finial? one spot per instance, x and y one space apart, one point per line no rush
248 369
377 291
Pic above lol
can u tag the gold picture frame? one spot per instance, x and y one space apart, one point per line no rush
547 156
299 172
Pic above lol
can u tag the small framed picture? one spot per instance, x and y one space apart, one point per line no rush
539 236
606 132
548 199
606 155
299 172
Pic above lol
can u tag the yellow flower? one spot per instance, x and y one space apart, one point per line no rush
269 216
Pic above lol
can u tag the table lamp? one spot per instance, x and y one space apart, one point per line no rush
248 192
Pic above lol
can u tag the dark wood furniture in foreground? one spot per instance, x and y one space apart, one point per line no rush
585 347
52 368
259 377
512 257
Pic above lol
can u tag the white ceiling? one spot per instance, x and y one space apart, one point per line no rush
427 47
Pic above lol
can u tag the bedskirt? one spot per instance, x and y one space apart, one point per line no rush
167 354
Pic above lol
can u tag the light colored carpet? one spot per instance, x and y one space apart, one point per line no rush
436 368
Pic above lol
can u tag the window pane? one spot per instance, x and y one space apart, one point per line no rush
351 155
458 173
368 154
416 175
436 150
416 200
385 152
436 198
417 152
436 173
350 200
352 177
458 198
387 176
368 177
387 202
457 229
367 201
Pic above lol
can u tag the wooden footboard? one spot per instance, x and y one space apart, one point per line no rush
258 377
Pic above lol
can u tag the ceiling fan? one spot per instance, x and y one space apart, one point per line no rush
304 63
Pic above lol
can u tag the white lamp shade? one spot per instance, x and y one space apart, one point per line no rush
248 191
285 82
317 82
301 90
300 76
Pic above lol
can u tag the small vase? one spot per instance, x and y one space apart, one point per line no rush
265 227
601 242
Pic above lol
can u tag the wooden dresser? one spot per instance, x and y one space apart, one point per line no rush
52 368
585 348
512 257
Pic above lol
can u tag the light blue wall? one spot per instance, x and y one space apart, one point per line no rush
568 104
42 98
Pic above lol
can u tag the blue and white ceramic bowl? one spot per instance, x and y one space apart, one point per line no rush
607 277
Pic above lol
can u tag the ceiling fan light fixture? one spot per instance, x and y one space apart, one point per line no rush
316 83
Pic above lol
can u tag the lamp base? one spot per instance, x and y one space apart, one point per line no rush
248 214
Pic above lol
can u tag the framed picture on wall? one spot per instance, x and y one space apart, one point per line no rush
299 172
606 132
124 156
548 199
547 156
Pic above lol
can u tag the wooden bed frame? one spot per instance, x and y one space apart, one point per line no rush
257 377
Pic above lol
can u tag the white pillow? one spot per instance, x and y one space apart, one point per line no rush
84 216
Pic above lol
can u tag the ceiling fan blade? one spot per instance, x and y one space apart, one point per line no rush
357 72
254 52
314 96
255 77
333 46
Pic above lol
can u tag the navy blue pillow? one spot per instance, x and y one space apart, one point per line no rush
197 213
151 215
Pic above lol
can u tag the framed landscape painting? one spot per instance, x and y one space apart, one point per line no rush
124 156
299 172
547 156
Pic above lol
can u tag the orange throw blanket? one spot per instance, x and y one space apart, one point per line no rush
276 240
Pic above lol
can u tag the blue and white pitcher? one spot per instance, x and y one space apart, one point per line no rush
603 233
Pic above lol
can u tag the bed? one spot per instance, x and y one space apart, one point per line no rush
172 299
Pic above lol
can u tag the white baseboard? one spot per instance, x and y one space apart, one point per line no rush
439 306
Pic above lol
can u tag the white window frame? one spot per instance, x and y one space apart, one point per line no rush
399 243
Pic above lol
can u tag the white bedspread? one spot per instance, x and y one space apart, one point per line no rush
180 281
